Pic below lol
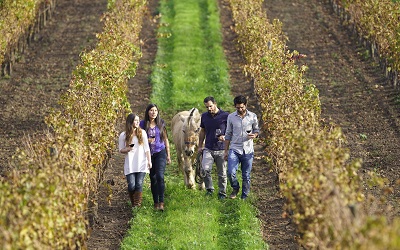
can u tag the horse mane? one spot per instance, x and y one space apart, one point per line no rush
191 112
189 118
189 121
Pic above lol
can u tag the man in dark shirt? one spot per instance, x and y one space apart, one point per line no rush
213 126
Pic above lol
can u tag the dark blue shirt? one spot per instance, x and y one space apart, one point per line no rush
211 124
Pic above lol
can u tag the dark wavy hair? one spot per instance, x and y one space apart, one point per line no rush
240 99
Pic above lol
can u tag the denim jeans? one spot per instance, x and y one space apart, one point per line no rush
159 161
246 161
209 157
135 181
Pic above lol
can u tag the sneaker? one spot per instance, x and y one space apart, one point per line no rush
234 193
221 196
210 192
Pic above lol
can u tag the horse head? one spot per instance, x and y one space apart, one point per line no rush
191 128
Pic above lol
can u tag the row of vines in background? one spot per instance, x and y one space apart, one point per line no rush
44 200
19 21
320 184
377 22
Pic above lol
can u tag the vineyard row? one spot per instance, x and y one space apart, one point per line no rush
322 188
44 200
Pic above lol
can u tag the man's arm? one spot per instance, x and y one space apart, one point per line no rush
226 148
228 137
256 129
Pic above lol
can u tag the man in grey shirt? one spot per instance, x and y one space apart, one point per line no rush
242 128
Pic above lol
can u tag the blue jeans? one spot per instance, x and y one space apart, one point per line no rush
246 161
158 161
135 181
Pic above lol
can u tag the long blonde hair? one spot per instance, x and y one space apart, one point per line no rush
130 130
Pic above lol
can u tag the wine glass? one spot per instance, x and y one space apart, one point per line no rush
248 130
152 134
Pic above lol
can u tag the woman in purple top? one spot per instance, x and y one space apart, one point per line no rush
160 154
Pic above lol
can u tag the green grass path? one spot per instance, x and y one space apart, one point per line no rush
191 65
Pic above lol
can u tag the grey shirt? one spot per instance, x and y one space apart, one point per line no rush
236 131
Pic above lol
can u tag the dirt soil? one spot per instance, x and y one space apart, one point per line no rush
44 71
353 91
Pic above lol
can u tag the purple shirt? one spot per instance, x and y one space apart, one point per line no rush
211 124
159 144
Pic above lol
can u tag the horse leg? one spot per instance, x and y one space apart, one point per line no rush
181 165
187 180
201 186
191 178
189 173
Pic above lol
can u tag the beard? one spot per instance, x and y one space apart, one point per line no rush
212 112
242 112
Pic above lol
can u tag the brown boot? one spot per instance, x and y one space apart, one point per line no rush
156 206
138 199
161 206
132 198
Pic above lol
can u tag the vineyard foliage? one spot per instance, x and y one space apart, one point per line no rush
44 200
16 16
378 21
321 185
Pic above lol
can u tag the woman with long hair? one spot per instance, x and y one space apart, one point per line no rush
133 142
160 153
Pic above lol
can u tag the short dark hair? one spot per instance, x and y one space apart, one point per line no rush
209 98
239 100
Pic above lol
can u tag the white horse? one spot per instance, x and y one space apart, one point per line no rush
185 133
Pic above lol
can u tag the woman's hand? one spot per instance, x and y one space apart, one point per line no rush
126 150
168 159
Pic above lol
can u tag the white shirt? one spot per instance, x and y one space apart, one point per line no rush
135 160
